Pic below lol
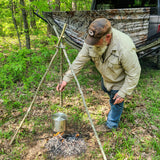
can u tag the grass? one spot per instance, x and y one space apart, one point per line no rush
138 135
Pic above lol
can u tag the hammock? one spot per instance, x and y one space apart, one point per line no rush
132 21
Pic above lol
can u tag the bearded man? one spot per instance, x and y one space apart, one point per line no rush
114 55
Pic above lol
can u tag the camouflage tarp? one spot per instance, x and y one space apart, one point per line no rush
132 21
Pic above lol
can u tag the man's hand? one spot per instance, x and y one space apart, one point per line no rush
61 86
118 99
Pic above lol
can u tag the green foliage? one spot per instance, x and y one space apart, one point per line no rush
6 135
156 145
23 66
147 3
10 104
41 5
6 23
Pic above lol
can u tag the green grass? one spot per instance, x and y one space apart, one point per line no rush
21 71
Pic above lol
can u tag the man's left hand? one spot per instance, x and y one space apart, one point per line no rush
118 99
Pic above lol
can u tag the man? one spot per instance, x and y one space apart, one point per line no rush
114 55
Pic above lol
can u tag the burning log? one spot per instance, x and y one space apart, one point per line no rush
62 145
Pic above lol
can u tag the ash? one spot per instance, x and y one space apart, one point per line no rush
64 146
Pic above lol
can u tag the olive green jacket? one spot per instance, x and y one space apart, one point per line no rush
120 68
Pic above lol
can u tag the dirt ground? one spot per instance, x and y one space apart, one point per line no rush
35 144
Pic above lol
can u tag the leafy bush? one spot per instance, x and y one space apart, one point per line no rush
23 66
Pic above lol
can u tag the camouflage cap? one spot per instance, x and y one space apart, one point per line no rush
97 29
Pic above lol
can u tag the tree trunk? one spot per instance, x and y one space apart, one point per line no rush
33 21
74 5
57 8
15 24
26 29
57 3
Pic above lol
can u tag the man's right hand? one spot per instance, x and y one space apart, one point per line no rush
61 86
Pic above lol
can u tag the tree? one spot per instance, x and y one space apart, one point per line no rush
26 29
57 5
33 21
74 5
15 23
57 8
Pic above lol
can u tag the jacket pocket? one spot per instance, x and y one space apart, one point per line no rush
113 61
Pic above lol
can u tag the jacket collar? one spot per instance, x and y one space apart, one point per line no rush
112 46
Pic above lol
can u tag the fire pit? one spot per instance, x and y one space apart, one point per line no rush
63 145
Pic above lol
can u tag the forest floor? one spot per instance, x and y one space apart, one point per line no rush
136 138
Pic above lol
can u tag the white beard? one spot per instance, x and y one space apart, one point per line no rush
100 50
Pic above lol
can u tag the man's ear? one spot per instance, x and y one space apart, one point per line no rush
108 38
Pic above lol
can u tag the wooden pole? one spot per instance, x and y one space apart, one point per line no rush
61 76
39 85
90 119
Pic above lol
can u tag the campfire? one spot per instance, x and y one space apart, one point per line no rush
64 145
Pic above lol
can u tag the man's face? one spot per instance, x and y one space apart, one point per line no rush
101 46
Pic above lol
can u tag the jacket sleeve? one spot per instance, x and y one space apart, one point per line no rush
132 69
82 58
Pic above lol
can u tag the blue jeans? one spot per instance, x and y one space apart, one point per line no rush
116 110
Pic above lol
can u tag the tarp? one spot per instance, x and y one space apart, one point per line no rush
132 21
